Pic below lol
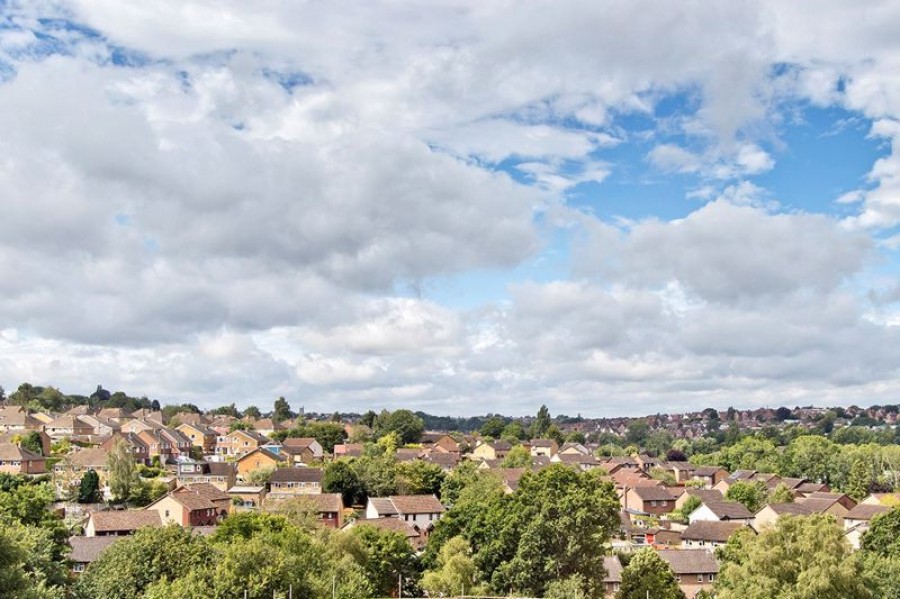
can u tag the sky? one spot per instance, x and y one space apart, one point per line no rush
461 207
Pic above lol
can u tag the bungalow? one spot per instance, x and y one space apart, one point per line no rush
119 522
863 514
267 427
649 500
493 450
18 460
302 450
245 498
705 533
709 475
221 475
446 444
289 482
86 550
117 414
571 448
544 447
67 427
447 461
258 459
416 509
348 450
695 569
713 511
18 419
580 461
701 494
770 514
842 498
825 506
191 507
100 426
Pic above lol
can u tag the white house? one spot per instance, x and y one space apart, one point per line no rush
415 509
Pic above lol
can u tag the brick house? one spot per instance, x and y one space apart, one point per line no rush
288 482
650 500
695 569
18 460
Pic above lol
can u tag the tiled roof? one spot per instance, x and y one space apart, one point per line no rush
706 470
221 468
417 504
542 442
86 550
192 500
817 505
384 506
577 458
612 568
790 509
710 531
325 502
864 511
209 491
12 452
653 493
690 561
120 520
93 457
395 525
297 475
299 442
706 494
729 510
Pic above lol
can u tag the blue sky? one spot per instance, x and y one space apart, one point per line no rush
457 207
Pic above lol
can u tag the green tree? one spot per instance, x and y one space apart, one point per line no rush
281 410
528 541
403 422
567 588
859 480
780 494
456 573
882 574
648 575
883 536
123 476
514 430
390 557
493 427
128 567
751 494
418 477
517 457
32 442
340 477
89 489
637 432
811 457
541 423
252 412
799 558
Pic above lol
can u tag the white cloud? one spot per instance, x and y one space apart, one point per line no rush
226 218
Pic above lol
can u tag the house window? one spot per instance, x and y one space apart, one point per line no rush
167 513
78 568
699 577
711 577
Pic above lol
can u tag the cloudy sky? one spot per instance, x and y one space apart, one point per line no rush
455 206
